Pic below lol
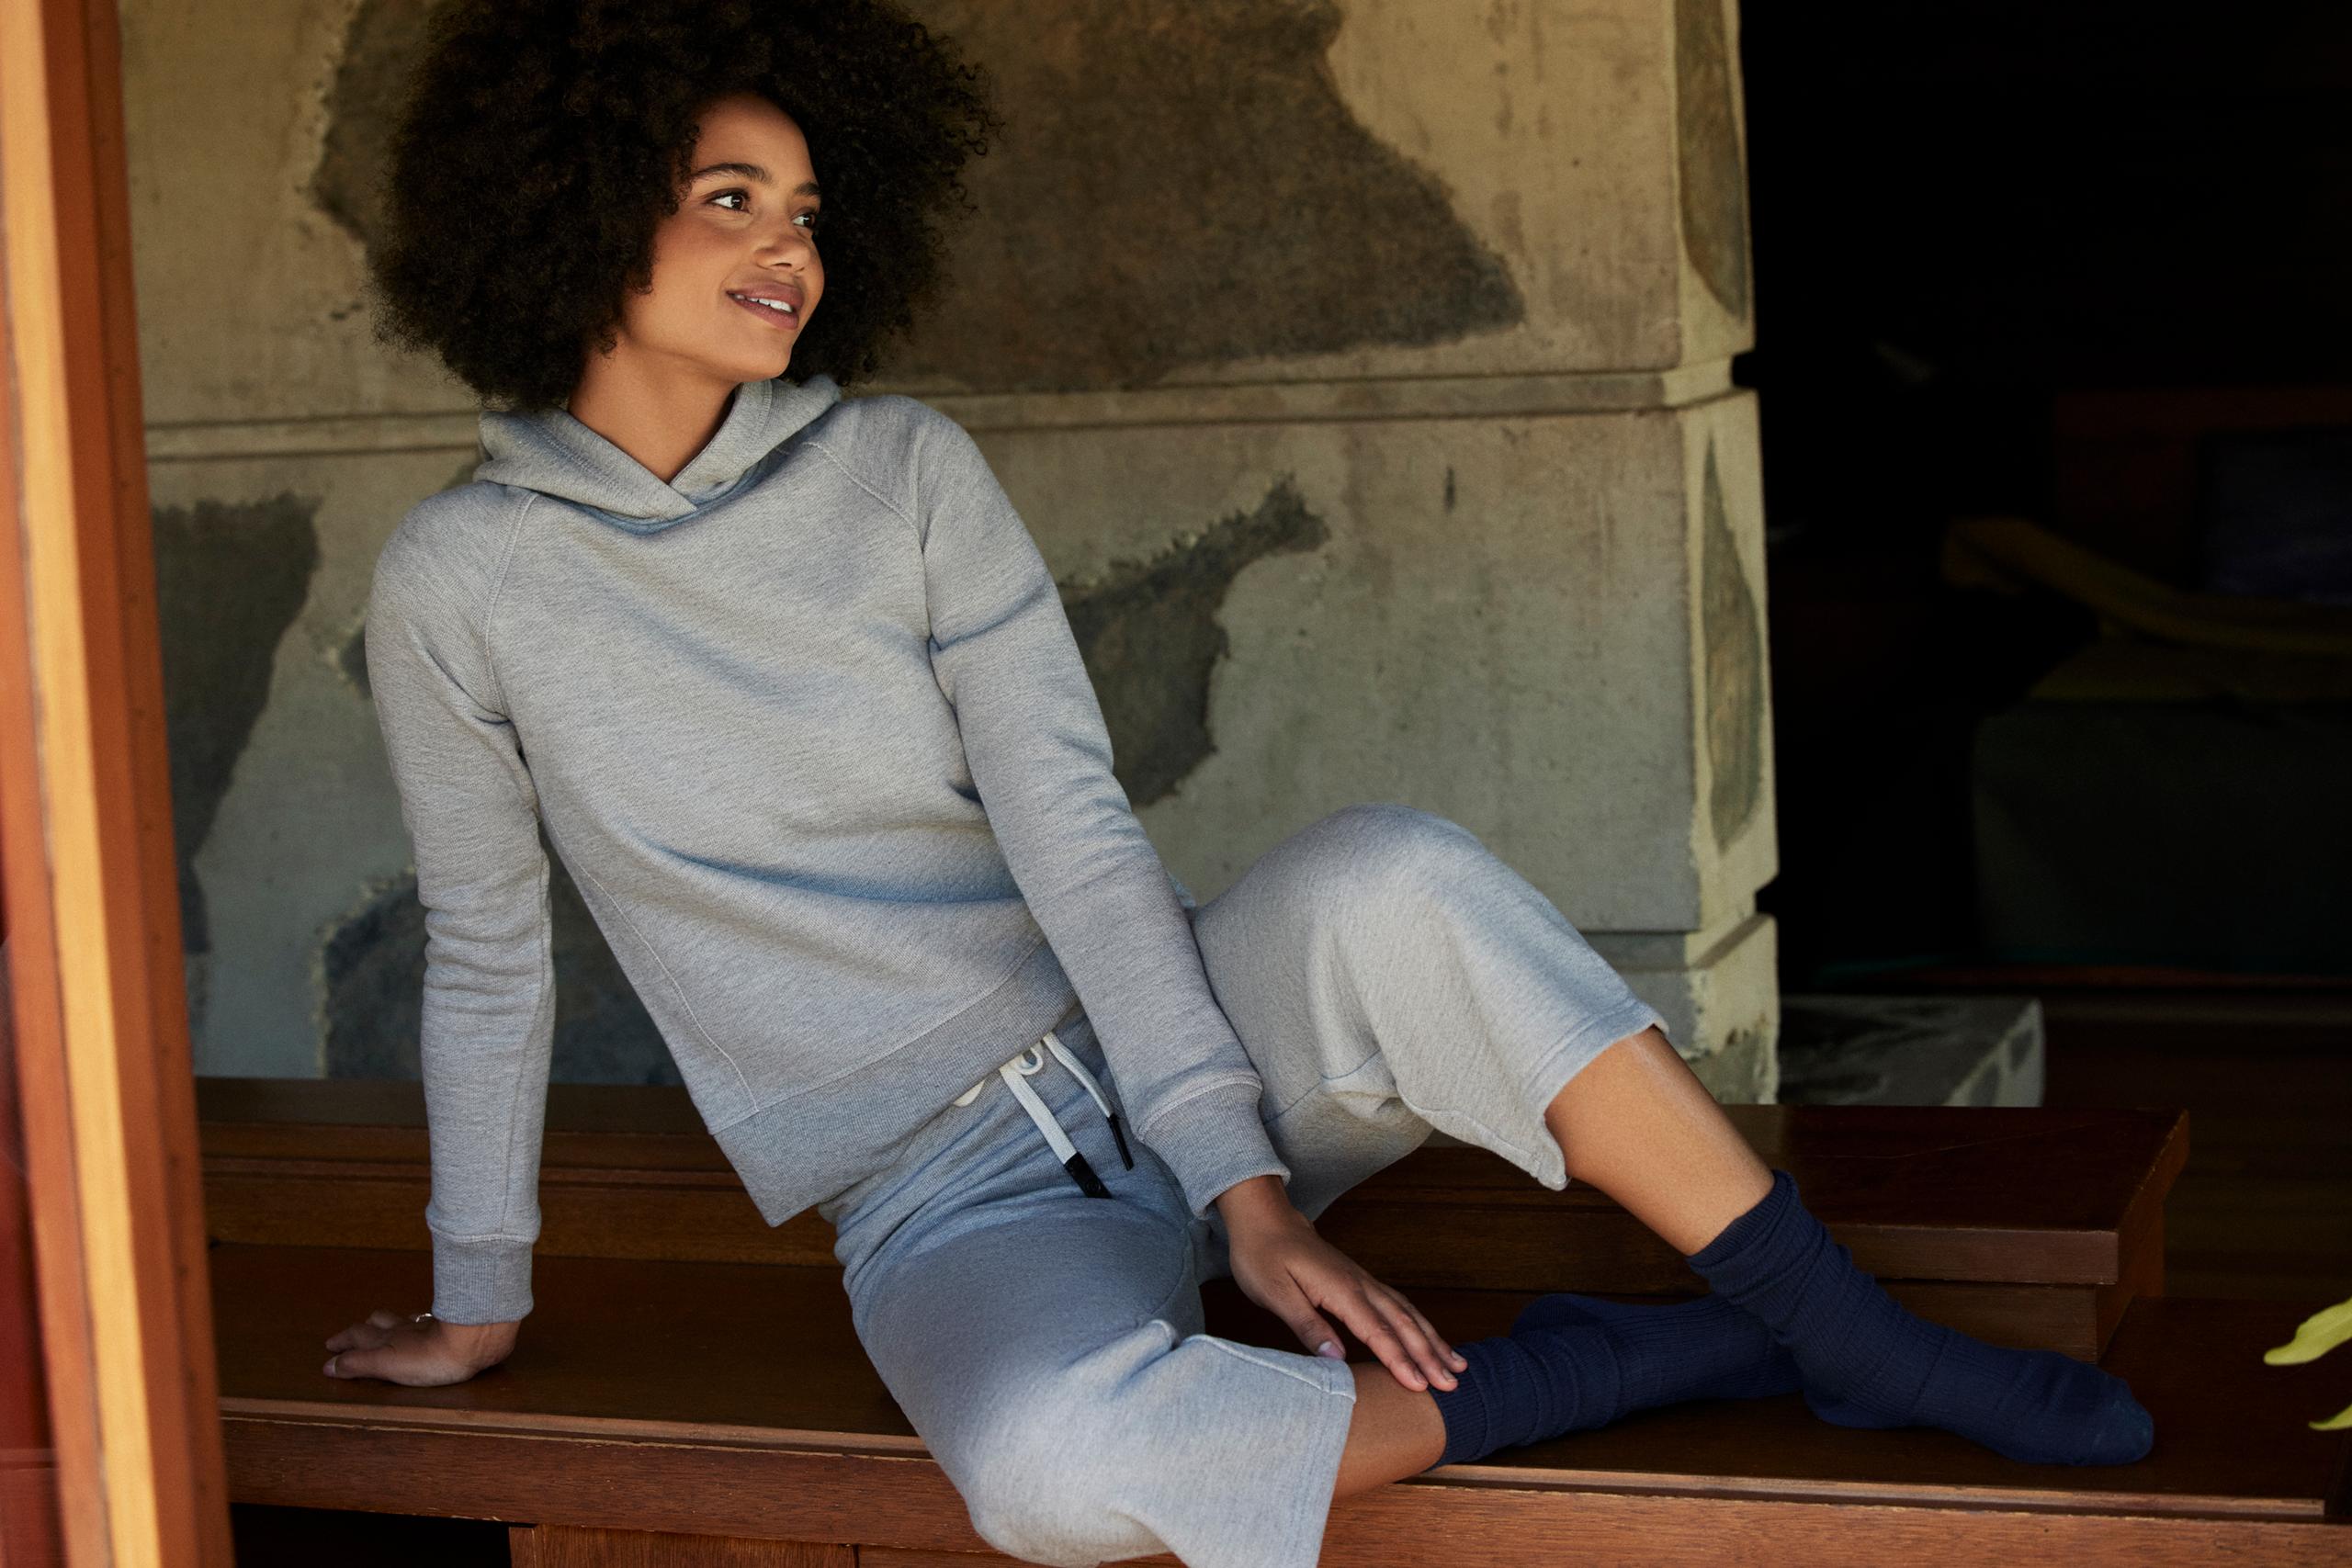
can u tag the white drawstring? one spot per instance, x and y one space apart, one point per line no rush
1031 1061
1053 1042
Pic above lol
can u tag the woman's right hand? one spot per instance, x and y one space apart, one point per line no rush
418 1350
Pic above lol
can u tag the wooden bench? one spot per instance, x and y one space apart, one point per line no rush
690 1372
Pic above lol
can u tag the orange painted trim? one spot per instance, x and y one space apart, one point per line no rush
100 1009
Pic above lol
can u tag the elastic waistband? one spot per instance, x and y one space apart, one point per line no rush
1017 1069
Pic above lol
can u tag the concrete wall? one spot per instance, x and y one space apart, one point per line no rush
1371 406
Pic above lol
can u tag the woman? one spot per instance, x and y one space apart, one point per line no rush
790 689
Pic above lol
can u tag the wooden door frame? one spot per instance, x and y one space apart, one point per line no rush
99 1001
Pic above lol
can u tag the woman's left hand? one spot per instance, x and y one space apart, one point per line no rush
1281 1263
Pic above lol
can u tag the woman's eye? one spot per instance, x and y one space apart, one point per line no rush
814 217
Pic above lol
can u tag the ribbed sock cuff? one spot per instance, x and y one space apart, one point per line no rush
1469 1407
1752 1235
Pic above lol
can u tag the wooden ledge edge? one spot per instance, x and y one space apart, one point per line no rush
1962 1498
453 1423
2046 1499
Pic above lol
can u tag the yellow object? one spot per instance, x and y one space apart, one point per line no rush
2314 1337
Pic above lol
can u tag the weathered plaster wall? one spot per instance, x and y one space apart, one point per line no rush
1306 190
1243 211
1227 191
1499 620
1151 635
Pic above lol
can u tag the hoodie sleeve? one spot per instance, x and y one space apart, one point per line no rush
472 818
1040 757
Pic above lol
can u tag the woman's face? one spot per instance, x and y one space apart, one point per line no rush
743 229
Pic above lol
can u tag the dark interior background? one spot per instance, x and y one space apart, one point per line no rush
2084 265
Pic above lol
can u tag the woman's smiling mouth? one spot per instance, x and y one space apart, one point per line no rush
782 314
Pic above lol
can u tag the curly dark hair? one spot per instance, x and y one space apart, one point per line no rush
543 142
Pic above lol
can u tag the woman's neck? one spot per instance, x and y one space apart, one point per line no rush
660 415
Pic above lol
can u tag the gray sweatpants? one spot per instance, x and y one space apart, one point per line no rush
1388 975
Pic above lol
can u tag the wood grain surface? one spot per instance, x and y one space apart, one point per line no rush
746 1370
1986 1194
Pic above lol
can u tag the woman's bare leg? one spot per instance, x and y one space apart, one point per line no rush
1396 1432
1638 1124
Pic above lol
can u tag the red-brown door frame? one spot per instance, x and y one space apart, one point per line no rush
99 1008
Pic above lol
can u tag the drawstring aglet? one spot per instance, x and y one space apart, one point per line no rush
1016 1073
1083 1174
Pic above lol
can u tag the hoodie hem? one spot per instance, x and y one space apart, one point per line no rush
794 1153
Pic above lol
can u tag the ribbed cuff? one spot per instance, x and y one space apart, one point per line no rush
481 1281
1215 1140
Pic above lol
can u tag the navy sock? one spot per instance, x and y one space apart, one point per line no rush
1572 1364
1868 1362
1701 1348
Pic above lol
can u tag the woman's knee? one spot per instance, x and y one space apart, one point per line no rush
1387 850
1362 882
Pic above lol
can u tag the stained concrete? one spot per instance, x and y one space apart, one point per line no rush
1256 191
1150 637
1527 663
1745 1069
228 580
1159 121
1712 184
226 120
1720 999
1846 1050
1182 185
383 42
1732 632
305 821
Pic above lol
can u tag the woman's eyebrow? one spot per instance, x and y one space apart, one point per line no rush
753 171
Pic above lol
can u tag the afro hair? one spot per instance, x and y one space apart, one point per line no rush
541 143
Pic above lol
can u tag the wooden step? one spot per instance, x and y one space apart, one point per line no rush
729 1400
2029 1227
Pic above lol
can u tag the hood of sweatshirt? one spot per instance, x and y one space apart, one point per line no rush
550 451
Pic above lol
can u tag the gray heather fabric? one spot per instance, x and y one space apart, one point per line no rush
1387 974
809 727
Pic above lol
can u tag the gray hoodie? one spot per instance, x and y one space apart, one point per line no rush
809 728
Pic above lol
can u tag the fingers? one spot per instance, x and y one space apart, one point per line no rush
1399 1345
1295 1272
356 1363
1453 1360
372 1333
368 1349
407 1364
408 1359
1420 1339
1312 1331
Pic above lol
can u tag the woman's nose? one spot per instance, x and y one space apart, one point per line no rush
793 246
